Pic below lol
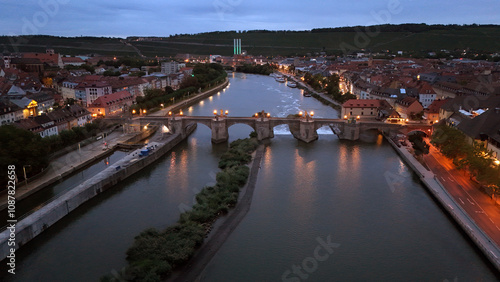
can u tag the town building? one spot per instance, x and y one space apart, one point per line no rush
112 104
407 107
10 112
432 112
426 95
169 67
362 109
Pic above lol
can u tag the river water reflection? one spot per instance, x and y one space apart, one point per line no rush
360 196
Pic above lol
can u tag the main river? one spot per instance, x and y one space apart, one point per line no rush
326 211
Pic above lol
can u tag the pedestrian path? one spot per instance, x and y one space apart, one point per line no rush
67 164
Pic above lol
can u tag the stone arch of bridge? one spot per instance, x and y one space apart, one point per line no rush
206 123
427 132
231 123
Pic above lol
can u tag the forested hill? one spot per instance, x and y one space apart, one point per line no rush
413 39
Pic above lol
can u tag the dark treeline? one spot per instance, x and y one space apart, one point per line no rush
408 27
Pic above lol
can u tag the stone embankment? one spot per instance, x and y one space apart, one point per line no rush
37 222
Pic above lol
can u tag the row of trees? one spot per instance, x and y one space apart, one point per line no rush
257 69
21 147
474 158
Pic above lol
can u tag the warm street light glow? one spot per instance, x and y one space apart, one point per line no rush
311 113
161 105
169 113
300 113
436 121
181 113
497 162
227 112
215 112
357 117
133 111
345 117
268 114
145 127
256 114
144 111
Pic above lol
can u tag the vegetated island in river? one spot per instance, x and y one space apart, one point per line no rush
155 254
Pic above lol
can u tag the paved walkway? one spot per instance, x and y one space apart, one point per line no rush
66 164
434 185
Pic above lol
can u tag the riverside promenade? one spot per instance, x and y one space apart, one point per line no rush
38 221
68 164
436 188
71 162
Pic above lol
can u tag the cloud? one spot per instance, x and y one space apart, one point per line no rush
161 18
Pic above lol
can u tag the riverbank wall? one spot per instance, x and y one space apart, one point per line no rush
37 222
74 167
439 192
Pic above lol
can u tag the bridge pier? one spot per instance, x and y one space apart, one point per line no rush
307 131
263 129
350 132
219 131
176 126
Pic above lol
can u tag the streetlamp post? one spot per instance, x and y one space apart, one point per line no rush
25 178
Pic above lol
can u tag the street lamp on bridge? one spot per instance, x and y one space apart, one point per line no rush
306 114
262 115
221 114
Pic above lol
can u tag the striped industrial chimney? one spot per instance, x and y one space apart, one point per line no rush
237 46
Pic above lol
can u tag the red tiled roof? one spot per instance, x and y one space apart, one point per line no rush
72 60
364 103
426 88
43 57
436 105
111 98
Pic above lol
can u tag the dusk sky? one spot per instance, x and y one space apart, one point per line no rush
162 18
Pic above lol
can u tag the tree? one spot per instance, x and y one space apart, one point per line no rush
150 94
189 81
69 101
20 148
420 147
169 90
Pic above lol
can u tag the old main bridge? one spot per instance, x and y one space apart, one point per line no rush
303 128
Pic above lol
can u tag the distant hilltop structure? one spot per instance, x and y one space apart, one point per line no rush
237 46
